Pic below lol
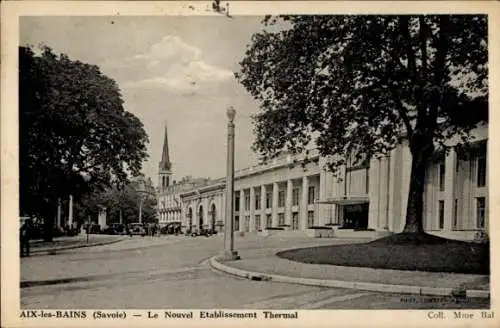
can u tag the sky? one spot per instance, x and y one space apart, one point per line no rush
171 70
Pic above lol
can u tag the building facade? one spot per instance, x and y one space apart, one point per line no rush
288 194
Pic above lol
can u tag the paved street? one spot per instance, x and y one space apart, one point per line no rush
173 272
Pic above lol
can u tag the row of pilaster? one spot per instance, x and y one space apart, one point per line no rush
247 215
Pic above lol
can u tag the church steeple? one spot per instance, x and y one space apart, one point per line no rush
164 166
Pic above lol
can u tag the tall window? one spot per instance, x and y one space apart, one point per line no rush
295 221
281 198
441 176
257 200
480 212
455 214
269 221
237 202
247 202
367 180
269 200
310 219
481 171
257 222
295 197
236 223
281 219
310 195
441 214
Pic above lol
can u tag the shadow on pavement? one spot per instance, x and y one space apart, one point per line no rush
26 284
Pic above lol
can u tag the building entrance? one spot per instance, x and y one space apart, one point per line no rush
356 216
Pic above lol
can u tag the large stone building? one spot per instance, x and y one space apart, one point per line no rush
369 198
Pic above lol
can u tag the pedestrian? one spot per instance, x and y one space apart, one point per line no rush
25 235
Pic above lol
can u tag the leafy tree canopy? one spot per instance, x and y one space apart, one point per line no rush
120 201
357 82
74 133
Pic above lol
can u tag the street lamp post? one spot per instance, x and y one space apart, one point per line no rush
142 194
229 253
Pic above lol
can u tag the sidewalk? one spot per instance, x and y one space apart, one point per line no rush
263 264
87 263
40 247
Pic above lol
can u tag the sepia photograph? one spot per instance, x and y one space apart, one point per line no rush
253 166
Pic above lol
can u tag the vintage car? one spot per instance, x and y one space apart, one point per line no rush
136 229
91 228
115 229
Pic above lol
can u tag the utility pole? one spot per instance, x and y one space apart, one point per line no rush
70 212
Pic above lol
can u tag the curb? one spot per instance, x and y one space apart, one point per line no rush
474 293
375 287
54 251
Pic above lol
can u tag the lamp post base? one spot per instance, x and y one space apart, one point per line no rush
229 256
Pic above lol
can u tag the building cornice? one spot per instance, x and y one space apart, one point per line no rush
277 163
206 190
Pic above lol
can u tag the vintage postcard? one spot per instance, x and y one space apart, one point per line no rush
276 163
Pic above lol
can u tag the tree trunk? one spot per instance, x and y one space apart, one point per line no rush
48 223
421 153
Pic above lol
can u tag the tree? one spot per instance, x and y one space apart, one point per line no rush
119 200
127 199
74 134
360 84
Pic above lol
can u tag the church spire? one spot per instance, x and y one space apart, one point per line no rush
165 164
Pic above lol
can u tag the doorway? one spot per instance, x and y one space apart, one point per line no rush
356 216
214 214
190 216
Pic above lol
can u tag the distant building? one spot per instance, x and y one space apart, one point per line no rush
169 192
369 199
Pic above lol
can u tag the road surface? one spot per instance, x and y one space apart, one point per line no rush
173 273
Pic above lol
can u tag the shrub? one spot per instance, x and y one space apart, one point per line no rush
72 232
481 237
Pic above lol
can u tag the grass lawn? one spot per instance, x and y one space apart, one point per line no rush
422 252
